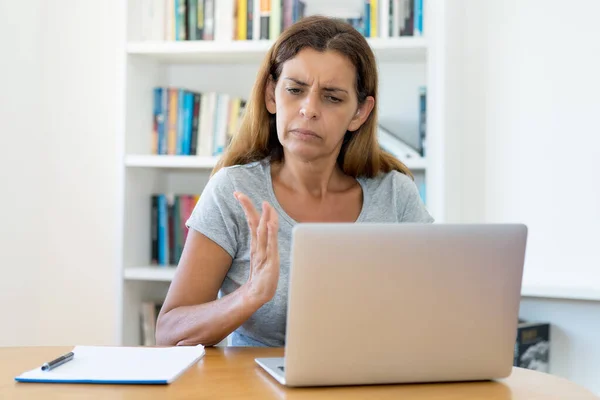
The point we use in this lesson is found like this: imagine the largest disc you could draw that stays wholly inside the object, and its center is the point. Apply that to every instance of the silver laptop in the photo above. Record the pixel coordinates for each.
(401, 303)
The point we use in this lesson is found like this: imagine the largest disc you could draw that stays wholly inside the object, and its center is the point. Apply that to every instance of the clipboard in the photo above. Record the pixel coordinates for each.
(120, 365)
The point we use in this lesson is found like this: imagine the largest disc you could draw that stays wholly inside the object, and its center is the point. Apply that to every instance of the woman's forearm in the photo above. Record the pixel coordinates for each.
(207, 323)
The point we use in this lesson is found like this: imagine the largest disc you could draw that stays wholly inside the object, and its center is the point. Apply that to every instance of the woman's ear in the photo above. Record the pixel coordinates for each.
(362, 113)
(270, 96)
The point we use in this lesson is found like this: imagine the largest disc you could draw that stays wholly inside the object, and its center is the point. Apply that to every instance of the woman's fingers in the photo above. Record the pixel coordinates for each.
(274, 217)
(252, 217)
(272, 244)
(264, 229)
(251, 214)
(261, 234)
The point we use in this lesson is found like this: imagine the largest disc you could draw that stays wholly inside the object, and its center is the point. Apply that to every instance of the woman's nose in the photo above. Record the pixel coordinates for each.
(310, 106)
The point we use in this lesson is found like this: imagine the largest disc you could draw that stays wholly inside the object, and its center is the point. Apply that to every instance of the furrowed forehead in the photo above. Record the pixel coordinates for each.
(328, 69)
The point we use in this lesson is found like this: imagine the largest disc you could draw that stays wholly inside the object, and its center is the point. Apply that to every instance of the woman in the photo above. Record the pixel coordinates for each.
(307, 150)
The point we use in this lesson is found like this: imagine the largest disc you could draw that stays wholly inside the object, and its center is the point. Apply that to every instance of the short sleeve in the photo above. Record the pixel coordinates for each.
(215, 213)
(412, 208)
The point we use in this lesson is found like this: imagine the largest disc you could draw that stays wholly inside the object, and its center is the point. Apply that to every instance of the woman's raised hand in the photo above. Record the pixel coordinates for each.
(264, 252)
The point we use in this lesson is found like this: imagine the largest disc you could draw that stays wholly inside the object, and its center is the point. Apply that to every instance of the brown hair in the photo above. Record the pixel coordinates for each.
(256, 139)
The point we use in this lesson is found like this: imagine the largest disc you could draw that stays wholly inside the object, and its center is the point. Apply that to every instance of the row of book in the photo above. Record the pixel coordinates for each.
(222, 20)
(390, 18)
(226, 20)
(168, 232)
(185, 122)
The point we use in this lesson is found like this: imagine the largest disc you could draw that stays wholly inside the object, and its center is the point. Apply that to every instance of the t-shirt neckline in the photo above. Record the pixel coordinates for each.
(290, 220)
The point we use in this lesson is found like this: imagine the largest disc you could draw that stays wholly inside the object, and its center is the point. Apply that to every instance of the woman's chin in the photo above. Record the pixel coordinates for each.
(305, 153)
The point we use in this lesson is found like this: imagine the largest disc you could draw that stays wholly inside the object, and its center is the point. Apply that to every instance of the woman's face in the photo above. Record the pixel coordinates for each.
(315, 103)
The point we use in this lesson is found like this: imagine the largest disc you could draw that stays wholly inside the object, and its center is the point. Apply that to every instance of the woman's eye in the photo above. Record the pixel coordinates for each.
(293, 90)
(333, 99)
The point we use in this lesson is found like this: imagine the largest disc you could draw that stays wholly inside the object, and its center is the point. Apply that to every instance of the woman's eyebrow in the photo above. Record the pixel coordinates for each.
(327, 89)
(297, 81)
(335, 89)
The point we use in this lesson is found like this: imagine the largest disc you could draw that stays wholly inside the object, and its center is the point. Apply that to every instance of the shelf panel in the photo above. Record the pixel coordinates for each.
(561, 292)
(416, 164)
(154, 161)
(402, 49)
(195, 162)
(165, 274)
(150, 273)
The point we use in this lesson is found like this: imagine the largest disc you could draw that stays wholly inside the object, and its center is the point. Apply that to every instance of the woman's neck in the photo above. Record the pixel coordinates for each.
(314, 178)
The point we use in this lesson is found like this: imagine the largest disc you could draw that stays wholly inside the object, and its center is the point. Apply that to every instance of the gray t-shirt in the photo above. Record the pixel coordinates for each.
(391, 197)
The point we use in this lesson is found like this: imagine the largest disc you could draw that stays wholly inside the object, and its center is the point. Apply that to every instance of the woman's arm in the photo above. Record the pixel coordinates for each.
(191, 313)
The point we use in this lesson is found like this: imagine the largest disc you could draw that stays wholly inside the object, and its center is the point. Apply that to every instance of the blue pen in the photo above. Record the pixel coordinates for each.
(59, 361)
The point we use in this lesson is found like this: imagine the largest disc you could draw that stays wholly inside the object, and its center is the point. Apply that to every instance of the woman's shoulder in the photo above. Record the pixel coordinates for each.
(247, 178)
(218, 214)
(399, 190)
(254, 169)
(388, 181)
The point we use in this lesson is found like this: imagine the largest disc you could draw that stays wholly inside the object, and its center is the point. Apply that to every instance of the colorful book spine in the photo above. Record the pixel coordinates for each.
(172, 130)
(367, 19)
(423, 120)
(265, 18)
(242, 19)
(418, 18)
(192, 20)
(169, 213)
(374, 16)
(275, 20)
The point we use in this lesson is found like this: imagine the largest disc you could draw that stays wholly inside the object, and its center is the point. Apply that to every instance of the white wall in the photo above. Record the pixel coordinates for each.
(21, 202)
(524, 146)
(59, 172)
(543, 134)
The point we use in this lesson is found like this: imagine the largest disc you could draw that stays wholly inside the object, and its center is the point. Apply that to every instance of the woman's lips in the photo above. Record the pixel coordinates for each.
(305, 134)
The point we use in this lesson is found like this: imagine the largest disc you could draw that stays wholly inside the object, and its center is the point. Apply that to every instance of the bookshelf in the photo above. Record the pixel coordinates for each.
(405, 64)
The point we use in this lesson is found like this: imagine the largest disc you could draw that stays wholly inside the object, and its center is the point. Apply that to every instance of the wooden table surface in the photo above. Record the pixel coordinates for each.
(231, 373)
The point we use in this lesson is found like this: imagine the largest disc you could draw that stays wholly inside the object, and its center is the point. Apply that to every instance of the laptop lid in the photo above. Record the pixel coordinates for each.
(393, 303)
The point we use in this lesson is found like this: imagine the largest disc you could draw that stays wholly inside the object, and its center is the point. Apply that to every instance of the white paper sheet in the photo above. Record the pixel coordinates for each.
(134, 365)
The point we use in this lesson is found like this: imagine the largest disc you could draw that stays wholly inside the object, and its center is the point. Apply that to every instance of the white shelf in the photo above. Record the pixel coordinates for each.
(154, 161)
(561, 292)
(195, 162)
(416, 164)
(253, 51)
(150, 273)
(165, 274)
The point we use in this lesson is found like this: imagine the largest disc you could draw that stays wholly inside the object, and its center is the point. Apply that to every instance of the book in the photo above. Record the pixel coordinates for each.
(148, 318)
(532, 347)
(120, 365)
